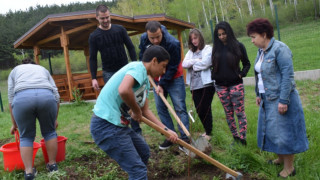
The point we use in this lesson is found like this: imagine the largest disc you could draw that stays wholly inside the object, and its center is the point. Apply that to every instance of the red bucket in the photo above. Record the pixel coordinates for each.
(61, 154)
(11, 154)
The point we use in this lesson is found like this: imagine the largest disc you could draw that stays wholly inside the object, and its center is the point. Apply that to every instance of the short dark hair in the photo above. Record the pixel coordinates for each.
(28, 61)
(155, 51)
(198, 34)
(101, 8)
(260, 26)
(153, 26)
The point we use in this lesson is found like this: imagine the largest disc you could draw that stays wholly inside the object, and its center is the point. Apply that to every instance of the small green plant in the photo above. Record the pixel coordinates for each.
(77, 96)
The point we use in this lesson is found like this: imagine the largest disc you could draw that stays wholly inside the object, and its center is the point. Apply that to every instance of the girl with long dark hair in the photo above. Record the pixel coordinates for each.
(227, 53)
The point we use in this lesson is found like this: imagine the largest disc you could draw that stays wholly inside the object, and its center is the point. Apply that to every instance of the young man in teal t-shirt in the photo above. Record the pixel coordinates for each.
(128, 89)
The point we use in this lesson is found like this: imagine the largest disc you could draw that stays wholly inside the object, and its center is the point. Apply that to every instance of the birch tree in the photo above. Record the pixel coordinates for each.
(271, 6)
(249, 7)
(210, 14)
(262, 6)
(215, 11)
(204, 13)
(221, 10)
(187, 10)
(238, 7)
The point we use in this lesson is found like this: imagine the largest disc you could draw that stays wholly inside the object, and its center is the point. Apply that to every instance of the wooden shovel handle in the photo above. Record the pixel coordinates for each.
(170, 109)
(194, 150)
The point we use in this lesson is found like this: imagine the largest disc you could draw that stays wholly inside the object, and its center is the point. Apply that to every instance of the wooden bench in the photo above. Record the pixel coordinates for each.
(83, 82)
(63, 90)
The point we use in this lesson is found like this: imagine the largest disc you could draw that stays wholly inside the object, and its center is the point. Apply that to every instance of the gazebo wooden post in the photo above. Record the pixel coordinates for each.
(182, 51)
(86, 53)
(64, 39)
(36, 53)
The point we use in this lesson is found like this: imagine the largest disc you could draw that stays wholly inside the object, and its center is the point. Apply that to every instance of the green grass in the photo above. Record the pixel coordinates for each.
(74, 123)
(302, 39)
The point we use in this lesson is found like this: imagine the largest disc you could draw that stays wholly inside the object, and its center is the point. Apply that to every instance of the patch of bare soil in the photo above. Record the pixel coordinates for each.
(171, 164)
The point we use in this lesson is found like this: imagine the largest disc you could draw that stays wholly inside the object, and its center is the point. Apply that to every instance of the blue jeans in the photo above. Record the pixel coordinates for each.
(123, 145)
(29, 105)
(177, 93)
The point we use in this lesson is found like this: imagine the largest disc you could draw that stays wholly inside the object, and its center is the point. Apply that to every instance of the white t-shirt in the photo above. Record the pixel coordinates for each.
(257, 67)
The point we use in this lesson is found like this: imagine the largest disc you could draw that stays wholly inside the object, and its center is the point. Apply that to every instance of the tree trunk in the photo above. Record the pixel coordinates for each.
(249, 7)
(210, 14)
(236, 2)
(263, 8)
(225, 4)
(271, 6)
(187, 10)
(215, 11)
(205, 14)
(221, 10)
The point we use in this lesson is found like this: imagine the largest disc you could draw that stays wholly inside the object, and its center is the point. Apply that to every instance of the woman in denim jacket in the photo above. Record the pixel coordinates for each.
(281, 124)
(198, 63)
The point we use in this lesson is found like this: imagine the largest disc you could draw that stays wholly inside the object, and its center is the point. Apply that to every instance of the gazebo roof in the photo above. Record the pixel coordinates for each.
(78, 26)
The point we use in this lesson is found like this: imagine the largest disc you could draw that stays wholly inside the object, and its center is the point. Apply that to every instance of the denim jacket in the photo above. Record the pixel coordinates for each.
(276, 72)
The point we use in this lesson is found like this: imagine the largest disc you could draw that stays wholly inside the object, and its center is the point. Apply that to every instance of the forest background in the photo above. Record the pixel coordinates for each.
(200, 12)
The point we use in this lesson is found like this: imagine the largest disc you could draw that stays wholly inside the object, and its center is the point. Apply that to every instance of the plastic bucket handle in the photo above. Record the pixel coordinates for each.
(17, 136)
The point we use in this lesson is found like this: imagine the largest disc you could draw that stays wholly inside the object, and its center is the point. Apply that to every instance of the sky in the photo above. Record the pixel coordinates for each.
(15, 5)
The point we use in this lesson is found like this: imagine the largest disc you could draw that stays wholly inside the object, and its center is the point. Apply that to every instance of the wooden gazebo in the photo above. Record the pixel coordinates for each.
(70, 31)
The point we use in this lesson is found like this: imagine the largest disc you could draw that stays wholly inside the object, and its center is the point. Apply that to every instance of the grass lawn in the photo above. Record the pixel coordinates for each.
(85, 161)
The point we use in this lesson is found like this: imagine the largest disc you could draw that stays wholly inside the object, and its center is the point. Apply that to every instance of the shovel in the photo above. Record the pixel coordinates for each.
(234, 174)
(201, 143)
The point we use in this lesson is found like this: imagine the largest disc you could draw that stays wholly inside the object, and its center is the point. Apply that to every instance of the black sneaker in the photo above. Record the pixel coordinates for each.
(52, 167)
(30, 176)
(165, 145)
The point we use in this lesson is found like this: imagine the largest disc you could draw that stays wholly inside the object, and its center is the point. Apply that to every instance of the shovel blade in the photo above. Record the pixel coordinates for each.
(203, 145)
